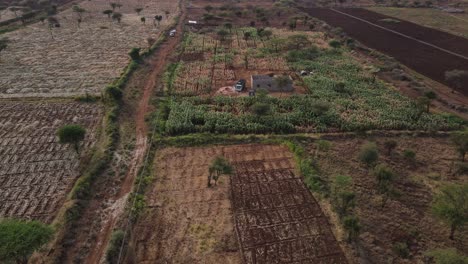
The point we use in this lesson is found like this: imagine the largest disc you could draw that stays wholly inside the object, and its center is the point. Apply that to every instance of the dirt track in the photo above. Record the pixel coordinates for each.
(425, 59)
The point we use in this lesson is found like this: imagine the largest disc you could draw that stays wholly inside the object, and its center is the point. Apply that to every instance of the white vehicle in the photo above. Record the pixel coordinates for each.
(172, 33)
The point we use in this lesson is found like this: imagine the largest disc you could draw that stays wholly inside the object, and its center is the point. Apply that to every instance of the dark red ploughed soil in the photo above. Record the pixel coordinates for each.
(424, 59)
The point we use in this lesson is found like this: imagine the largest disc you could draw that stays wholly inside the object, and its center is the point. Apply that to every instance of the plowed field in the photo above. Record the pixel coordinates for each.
(409, 43)
(275, 217)
(36, 171)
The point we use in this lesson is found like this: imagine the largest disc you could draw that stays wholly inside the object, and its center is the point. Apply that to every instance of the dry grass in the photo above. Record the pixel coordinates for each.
(76, 60)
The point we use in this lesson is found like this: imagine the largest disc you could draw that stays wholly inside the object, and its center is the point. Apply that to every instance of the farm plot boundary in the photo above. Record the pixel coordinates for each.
(277, 218)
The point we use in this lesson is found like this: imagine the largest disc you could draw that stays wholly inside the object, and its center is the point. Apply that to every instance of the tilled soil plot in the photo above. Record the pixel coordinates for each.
(76, 59)
(36, 171)
(424, 59)
(276, 218)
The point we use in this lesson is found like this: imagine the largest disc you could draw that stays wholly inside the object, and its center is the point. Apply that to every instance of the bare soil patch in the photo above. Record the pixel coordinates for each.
(274, 215)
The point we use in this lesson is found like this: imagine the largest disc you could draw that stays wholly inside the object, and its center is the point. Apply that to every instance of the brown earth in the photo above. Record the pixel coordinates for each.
(275, 217)
(105, 209)
(405, 218)
(424, 59)
(36, 171)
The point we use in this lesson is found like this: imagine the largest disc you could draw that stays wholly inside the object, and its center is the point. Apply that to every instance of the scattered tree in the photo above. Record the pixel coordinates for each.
(298, 41)
(108, 13)
(369, 154)
(143, 20)
(219, 166)
(456, 78)
(343, 197)
(247, 35)
(117, 16)
(158, 19)
(135, 54)
(3, 44)
(222, 34)
(390, 145)
(52, 23)
(352, 226)
(167, 13)
(79, 11)
(282, 82)
(451, 206)
(385, 177)
(19, 239)
(114, 92)
(113, 6)
(460, 140)
(71, 134)
(138, 10)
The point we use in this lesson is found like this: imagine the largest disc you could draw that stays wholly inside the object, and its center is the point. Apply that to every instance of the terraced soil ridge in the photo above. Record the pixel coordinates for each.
(277, 219)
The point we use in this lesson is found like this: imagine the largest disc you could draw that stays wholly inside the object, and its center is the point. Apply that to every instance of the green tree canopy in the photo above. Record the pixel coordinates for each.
(219, 166)
(460, 140)
(71, 134)
(19, 239)
(451, 206)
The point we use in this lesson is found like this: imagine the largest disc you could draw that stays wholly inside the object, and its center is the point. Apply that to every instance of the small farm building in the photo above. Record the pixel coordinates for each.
(270, 83)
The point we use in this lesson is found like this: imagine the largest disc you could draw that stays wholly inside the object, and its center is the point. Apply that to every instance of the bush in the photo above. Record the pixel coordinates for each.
(114, 246)
(135, 54)
(334, 44)
(390, 145)
(261, 109)
(19, 239)
(352, 226)
(409, 154)
(114, 92)
(369, 154)
(71, 134)
(401, 249)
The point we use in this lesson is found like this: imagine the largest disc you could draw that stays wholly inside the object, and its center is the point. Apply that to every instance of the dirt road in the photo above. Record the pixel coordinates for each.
(95, 227)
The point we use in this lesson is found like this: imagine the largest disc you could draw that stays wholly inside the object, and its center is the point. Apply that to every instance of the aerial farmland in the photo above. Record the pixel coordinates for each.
(239, 132)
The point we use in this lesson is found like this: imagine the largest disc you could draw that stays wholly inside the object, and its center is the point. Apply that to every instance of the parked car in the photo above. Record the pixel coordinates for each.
(172, 33)
(240, 85)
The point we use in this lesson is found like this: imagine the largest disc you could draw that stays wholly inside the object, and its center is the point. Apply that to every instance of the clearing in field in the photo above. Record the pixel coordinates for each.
(264, 202)
(78, 58)
(36, 171)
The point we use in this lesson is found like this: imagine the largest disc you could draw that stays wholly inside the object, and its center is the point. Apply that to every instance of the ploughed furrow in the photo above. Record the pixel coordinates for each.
(431, 55)
(276, 217)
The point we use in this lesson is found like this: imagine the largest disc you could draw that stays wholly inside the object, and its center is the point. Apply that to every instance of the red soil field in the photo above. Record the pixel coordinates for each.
(427, 60)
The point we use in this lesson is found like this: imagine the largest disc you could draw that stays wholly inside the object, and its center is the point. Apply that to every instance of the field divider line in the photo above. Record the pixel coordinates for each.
(403, 35)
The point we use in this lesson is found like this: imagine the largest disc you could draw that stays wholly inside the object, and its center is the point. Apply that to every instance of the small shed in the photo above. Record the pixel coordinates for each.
(271, 83)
